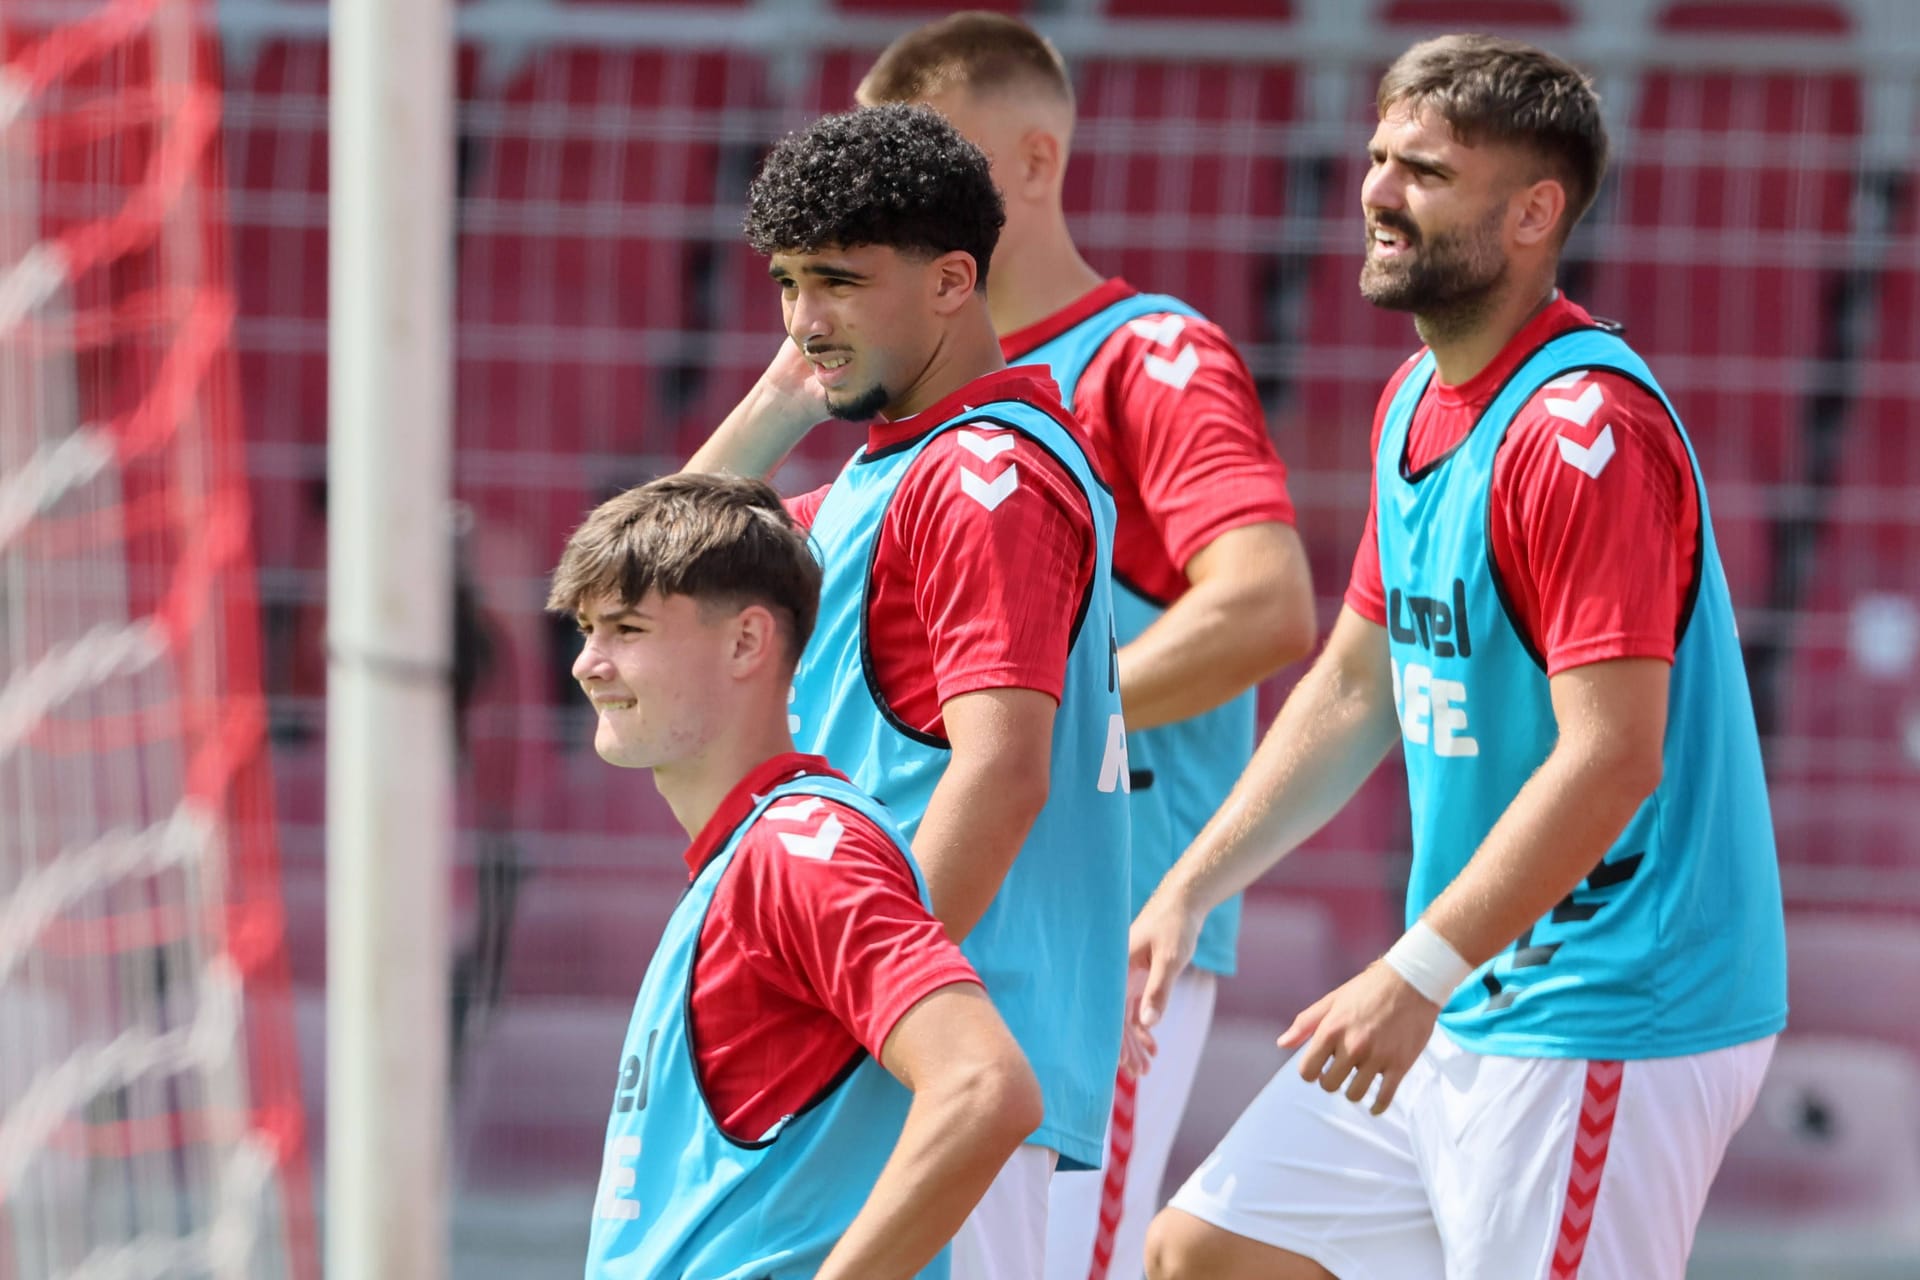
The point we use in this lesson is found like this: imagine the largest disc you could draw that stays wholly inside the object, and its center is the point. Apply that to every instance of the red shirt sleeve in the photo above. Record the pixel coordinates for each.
(803, 507)
(1189, 432)
(1002, 544)
(825, 909)
(1595, 523)
(1366, 592)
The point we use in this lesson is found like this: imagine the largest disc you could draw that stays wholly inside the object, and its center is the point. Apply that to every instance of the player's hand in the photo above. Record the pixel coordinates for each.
(1137, 1044)
(788, 393)
(1159, 948)
(1371, 1027)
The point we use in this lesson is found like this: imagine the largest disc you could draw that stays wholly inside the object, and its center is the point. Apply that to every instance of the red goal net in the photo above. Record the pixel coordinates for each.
(150, 1121)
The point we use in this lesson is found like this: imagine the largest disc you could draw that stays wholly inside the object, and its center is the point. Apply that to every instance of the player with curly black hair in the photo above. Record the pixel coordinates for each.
(962, 669)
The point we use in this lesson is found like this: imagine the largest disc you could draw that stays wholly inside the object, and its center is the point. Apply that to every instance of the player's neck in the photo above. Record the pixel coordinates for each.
(1465, 342)
(695, 787)
(1038, 276)
(969, 350)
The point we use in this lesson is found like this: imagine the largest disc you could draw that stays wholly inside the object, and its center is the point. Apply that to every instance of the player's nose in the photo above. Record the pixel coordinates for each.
(810, 321)
(1381, 188)
(590, 662)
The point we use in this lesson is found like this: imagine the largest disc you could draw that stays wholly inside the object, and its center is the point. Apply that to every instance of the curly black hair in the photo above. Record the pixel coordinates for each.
(893, 175)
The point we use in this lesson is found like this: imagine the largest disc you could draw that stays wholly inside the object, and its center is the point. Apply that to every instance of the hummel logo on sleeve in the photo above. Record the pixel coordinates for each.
(985, 448)
(988, 493)
(798, 811)
(817, 847)
(1593, 458)
(1178, 371)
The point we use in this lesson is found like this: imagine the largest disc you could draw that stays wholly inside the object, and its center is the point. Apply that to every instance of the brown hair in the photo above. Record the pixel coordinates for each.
(975, 50)
(721, 539)
(1492, 90)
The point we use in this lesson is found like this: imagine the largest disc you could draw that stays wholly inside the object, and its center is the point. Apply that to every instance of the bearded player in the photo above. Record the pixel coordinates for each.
(1538, 1079)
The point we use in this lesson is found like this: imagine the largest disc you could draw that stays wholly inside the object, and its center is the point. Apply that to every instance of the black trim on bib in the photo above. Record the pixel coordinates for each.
(867, 670)
(838, 1078)
(1698, 575)
(1416, 477)
(1141, 592)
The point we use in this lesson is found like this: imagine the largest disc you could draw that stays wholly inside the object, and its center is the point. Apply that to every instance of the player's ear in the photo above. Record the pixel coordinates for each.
(954, 276)
(756, 641)
(1040, 158)
(1540, 206)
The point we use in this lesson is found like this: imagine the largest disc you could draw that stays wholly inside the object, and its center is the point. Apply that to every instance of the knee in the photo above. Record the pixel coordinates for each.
(1176, 1247)
(1182, 1247)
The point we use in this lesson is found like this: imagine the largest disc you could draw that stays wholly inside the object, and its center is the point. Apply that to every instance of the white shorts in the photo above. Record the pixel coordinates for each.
(1097, 1225)
(1005, 1237)
(1484, 1166)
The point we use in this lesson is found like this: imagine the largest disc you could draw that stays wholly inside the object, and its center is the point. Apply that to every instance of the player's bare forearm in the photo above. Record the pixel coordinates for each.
(974, 1101)
(1607, 761)
(985, 803)
(1247, 613)
(1332, 732)
(775, 414)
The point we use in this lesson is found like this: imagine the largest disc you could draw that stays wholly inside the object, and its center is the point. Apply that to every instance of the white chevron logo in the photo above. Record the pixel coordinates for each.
(990, 493)
(986, 448)
(1579, 412)
(1162, 331)
(817, 847)
(1567, 381)
(1593, 458)
(1176, 372)
(798, 811)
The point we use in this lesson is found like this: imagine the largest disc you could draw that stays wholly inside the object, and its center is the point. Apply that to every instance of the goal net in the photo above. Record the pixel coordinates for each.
(150, 1122)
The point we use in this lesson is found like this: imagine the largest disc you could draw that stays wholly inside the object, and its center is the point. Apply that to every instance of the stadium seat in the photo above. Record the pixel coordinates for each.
(532, 1110)
(589, 935)
(1289, 957)
(1857, 976)
(1833, 1142)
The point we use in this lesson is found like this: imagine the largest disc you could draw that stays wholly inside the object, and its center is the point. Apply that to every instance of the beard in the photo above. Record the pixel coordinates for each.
(861, 406)
(1445, 280)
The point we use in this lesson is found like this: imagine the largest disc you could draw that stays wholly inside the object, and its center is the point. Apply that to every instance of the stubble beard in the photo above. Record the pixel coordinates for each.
(1449, 282)
(864, 406)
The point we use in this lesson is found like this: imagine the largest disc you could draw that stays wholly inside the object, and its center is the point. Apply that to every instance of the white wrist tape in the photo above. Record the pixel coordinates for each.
(1428, 963)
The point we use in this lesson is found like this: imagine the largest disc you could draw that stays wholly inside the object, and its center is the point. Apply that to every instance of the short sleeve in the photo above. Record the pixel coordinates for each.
(1001, 543)
(1596, 523)
(1185, 421)
(804, 507)
(826, 909)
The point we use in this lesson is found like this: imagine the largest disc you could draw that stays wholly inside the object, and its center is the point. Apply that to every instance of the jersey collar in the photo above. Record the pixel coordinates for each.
(1017, 345)
(1030, 383)
(747, 793)
(1550, 322)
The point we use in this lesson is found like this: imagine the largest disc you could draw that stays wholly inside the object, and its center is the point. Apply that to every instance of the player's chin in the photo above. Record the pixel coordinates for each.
(622, 750)
(858, 406)
(1390, 287)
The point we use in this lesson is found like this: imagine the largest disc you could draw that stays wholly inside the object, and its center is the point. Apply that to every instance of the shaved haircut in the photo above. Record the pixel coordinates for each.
(974, 50)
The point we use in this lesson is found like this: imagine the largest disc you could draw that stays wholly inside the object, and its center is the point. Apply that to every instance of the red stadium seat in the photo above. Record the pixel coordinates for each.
(1289, 957)
(1833, 1144)
(1855, 976)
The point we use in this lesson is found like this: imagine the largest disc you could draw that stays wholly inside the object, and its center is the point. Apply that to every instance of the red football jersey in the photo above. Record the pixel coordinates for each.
(1594, 540)
(965, 596)
(804, 962)
(1176, 427)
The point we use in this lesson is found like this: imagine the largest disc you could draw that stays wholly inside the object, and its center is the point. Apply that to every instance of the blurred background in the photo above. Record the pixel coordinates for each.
(1758, 238)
